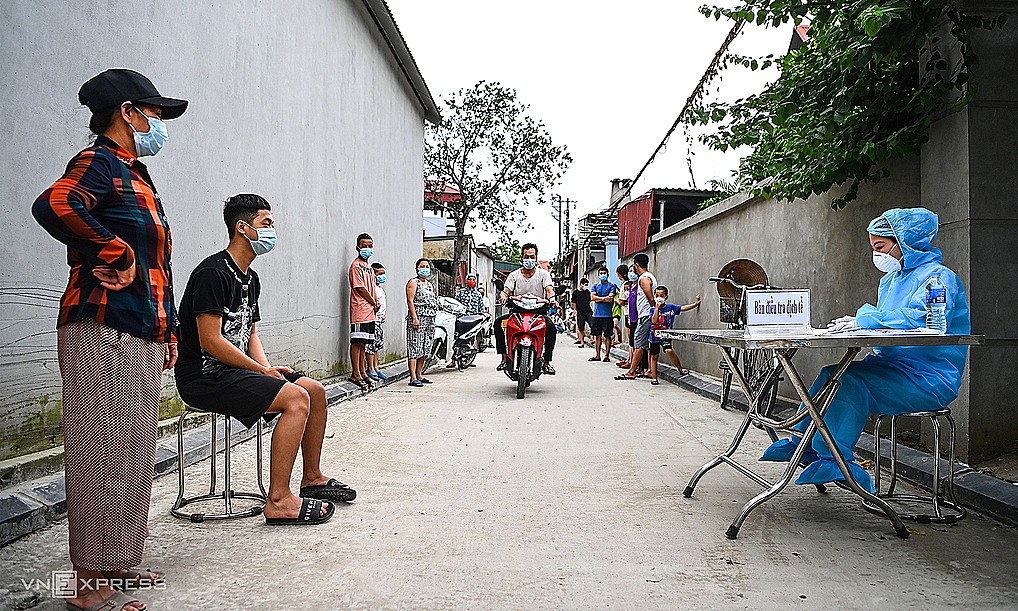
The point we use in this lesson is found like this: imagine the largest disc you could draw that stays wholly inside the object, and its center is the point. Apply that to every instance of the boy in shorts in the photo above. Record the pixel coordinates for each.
(379, 343)
(663, 318)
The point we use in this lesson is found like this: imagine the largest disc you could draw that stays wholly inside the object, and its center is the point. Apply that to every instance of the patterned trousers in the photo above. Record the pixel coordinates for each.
(112, 382)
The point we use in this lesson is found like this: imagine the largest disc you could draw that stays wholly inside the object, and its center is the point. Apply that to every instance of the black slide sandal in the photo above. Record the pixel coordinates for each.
(334, 490)
(310, 513)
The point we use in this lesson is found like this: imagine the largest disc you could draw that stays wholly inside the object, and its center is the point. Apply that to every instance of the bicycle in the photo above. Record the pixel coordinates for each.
(756, 364)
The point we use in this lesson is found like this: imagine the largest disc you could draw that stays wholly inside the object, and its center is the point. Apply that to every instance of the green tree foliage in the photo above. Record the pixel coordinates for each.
(866, 87)
(499, 158)
(506, 249)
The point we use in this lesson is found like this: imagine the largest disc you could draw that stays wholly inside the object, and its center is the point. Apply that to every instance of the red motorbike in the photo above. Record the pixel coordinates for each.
(524, 335)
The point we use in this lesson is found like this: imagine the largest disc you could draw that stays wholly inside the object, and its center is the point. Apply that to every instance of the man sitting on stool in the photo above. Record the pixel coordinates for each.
(222, 367)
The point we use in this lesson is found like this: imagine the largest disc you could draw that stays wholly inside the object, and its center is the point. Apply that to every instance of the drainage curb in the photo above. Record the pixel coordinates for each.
(35, 504)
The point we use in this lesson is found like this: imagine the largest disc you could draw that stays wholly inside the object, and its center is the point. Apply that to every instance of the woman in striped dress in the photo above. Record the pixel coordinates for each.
(115, 332)
(422, 305)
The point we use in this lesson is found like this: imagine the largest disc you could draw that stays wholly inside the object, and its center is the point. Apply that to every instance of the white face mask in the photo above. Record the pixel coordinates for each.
(886, 263)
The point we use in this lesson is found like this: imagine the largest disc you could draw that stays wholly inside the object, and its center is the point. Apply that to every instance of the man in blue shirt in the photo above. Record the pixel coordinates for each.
(602, 295)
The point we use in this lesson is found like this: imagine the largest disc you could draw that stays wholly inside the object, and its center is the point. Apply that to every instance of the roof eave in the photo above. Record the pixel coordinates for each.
(387, 27)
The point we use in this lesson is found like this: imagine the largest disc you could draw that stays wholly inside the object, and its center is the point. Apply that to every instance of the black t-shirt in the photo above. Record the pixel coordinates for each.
(582, 300)
(216, 286)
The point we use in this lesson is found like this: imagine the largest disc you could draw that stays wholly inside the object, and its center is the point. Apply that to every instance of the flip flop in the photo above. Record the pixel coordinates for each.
(607, 359)
(501, 367)
(594, 358)
(654, 382)
(114, 603)
(624, 377)
(335, 491)
(132, 580)
(310, 513)
(684, 372)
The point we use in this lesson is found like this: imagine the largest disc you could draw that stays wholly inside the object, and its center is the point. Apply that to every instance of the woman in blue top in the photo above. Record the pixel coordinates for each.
(898, 379)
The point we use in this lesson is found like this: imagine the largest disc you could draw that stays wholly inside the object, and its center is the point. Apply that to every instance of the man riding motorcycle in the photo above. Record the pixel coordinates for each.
(528, 279)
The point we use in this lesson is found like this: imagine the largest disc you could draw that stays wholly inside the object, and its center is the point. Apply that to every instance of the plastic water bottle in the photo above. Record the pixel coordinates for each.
(936, 305)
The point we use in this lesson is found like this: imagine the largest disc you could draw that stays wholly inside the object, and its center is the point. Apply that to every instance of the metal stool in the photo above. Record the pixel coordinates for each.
(943, 495)
(228, 494)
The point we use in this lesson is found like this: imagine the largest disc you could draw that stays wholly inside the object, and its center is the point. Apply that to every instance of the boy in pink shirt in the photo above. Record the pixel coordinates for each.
(363, 305)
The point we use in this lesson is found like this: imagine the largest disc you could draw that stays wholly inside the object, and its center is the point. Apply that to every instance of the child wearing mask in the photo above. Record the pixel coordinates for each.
(663, 318)
(378, 344)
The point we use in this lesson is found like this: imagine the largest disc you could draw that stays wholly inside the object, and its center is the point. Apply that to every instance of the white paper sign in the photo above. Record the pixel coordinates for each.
(777, 307)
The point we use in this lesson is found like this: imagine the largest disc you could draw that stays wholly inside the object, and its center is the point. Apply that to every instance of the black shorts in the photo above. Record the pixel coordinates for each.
(241, 393)
(602, 327)
(582, 319)
(362, 333)
(632, 331)
(656, 348)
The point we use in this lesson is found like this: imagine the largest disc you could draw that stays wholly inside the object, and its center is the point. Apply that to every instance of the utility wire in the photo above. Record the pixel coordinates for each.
(697, 92)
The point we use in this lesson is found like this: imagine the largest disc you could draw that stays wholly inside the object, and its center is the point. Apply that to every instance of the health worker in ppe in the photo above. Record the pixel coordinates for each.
(892, 380)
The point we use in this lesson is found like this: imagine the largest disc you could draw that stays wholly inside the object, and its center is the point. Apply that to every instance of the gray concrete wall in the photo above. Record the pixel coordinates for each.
(299, 101)
(803, 244)
(969, 173)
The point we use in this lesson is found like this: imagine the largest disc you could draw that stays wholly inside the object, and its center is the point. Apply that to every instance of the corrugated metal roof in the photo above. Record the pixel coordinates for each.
(386, 23)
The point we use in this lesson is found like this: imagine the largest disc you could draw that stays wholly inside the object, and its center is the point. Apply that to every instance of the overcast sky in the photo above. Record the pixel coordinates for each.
(606, 78)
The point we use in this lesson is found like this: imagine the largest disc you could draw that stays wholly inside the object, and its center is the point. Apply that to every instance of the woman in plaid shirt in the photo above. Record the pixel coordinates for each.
(115, 331)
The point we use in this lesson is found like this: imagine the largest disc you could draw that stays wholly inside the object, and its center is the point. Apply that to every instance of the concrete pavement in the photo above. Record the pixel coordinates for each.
(570, 498)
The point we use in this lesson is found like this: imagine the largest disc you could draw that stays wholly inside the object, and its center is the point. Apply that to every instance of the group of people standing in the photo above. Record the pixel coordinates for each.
(119, 328)
(639, 306)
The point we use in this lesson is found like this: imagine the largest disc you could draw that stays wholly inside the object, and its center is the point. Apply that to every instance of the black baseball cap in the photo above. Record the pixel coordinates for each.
(118, 85)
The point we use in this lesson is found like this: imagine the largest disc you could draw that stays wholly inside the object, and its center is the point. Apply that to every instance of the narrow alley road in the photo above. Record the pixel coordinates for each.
(571, 498)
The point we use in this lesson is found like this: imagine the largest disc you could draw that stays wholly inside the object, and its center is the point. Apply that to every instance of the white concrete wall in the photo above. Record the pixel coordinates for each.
(298, 101)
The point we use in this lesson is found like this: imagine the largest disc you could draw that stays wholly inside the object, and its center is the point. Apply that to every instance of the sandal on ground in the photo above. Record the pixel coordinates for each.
(132, 580)
(335, 491)
(654, 382)
(472, 365)
(310, 513)
(360, 383)
(548, 370)
(684, 372)
(624, 377)
(374, 376)
(426, 381)
(381, 376)
(114, 603)
(643, 376)
(623, 364)
(501, 367)
(416, 383)
(594, 358)
(607, 359)
(451, 366)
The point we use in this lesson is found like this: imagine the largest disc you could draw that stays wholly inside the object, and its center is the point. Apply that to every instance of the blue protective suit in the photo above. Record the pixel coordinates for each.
(891, 380)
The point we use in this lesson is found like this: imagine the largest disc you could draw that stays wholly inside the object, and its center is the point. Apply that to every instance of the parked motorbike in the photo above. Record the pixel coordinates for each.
(525, 334)
(456, 333)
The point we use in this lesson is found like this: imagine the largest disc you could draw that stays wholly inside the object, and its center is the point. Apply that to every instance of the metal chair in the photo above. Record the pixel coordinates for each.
(228, 494)
(943, 491)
